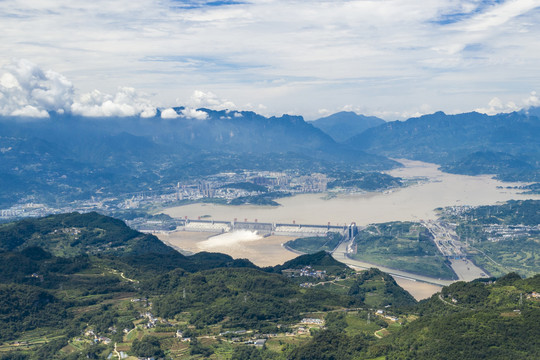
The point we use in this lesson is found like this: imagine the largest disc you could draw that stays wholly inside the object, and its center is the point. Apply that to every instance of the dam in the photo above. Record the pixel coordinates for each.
(266, 229)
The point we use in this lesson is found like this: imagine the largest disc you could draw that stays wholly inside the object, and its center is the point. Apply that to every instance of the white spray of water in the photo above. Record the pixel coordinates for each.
(230, 239)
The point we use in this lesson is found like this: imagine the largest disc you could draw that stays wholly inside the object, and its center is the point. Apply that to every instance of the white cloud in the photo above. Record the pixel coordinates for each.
(28, 91)
(201, 99)
(187, 112)
(499, 15)
(126, 102)
(301, 55)
(532, 100)
(169, 113)
(194, 114)
(496, 106)
(30, 111)
(324, 112)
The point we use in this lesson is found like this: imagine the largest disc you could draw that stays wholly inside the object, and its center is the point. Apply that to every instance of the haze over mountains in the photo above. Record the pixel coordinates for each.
(343, 125)
(68, 157)
(503, 144)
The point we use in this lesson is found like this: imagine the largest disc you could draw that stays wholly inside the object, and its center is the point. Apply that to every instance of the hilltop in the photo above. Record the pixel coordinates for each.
(345, 124)
(79, 234)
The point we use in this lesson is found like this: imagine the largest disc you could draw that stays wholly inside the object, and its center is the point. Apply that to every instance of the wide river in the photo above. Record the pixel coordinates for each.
(416, 202)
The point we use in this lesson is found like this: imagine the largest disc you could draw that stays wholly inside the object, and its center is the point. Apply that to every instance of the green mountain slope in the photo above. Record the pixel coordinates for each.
(143, 304)
(76, 234)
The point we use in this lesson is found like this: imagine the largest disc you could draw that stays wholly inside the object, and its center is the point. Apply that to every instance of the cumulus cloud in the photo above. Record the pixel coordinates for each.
(496, 106)
(169, 113)
(209, 100)
(370, 51)
(194, 114)
(126, 102)
(532, 100)
(188, 113)
(28, 91)
(30, 111)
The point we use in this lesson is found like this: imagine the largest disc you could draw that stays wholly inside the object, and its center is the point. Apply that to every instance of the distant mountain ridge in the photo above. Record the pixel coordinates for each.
(446, 139)
(69, 157)
(343, 125)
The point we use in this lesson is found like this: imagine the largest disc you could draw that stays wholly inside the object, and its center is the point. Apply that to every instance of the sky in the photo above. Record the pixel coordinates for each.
(389, 58)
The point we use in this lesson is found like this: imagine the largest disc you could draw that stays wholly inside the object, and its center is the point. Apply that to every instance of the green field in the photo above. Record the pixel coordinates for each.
(313, 244)
(402, 245)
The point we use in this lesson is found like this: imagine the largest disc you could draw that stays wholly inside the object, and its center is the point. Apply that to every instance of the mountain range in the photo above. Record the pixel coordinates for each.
(472, 143)
(65, 157)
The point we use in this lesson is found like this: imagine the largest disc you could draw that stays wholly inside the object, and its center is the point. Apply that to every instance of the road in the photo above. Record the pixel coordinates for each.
(445, 238)
(340, 255)
(449, 244)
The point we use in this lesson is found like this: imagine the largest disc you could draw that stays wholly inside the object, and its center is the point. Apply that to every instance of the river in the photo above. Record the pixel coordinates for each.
(412, 203)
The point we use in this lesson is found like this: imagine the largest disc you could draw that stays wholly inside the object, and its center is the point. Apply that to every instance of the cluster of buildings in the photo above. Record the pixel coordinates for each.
(508, 232)
(383, 314)
(216, 186)
(29, 209)
(219, 186)
(307, 271)
(152, 320)
(97, 339)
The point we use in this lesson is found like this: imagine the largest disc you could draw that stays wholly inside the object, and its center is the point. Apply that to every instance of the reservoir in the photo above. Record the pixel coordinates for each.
(412, 203)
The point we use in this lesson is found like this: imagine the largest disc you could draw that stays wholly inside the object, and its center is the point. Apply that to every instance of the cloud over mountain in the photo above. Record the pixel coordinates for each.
(126, 102)
(28, 91)
(210, 100)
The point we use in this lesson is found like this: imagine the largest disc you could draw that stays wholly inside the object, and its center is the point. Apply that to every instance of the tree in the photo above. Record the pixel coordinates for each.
(146, 347)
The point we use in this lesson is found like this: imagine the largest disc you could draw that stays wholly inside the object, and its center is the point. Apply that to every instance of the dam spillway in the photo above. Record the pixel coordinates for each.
(266, 229)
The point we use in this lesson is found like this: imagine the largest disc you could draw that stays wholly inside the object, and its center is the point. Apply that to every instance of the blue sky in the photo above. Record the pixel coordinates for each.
(389, 58)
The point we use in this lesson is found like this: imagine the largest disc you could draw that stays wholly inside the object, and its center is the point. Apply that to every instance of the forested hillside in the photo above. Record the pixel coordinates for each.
(70, 305)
